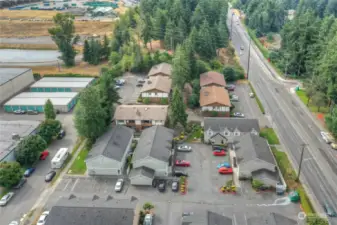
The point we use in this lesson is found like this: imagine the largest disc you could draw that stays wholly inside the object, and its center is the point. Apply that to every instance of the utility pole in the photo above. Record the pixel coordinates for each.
(230, 36)
(301, 160)
(250, 40)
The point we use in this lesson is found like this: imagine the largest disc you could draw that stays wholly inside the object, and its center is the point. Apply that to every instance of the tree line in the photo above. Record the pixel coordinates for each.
(308, 49)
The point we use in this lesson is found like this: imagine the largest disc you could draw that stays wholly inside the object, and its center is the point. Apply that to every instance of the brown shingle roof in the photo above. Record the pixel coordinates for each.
(141, 112)
(159, 83)
(163, 68)
(213, 95)
(212, 77)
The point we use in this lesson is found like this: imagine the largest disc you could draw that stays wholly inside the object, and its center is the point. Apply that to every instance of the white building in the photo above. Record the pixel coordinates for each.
(61, 84)
(62, 101)
(13, 80)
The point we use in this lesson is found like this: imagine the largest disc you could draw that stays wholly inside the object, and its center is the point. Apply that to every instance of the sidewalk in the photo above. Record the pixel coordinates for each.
(37, 209)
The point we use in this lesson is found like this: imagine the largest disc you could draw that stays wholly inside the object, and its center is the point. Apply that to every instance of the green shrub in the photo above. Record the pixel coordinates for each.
(256, 184)
(148, 206)
(270, 37)
(229, 73)
(146, 100)
(37, 76)
(164, 101)
(305, 202)
(68, 75)
(193, 101)
(214, 113)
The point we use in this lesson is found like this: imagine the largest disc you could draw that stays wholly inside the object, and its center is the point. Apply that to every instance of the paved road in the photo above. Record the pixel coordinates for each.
(25, 198)
(293, 123)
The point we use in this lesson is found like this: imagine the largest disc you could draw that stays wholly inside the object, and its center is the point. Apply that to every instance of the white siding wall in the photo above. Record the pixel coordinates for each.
(216, 108)
(103, 166)
(160, 168)
(120, 122)
(158, 122)
(154, 95)
(17, 84)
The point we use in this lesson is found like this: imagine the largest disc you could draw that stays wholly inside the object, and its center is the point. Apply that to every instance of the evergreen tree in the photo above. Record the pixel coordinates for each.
(205, 41)
(180, 68)
(177, 109)
(105, 50)
(159, 24)
(169, 38)
(49, 112)
(86, 51)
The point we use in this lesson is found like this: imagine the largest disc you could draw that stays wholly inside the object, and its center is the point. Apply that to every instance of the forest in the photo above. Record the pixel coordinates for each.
(308, 48)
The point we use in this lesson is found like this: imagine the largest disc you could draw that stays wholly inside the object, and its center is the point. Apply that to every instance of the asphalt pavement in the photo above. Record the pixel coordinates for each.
(293, 123)
(26, 196)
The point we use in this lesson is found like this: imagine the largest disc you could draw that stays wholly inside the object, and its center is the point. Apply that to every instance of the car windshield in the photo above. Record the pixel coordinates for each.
(118, 184)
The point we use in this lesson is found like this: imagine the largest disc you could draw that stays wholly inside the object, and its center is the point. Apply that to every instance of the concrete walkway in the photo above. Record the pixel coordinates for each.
(236, 181)
(37, 209)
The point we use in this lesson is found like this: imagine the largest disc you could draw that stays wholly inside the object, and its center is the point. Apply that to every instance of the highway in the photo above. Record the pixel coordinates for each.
(292, 122)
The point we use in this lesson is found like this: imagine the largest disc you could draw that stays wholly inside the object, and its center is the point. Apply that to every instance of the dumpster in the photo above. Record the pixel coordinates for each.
(294, 196)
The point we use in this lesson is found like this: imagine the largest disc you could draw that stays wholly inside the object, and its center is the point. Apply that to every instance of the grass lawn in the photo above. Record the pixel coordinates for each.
(270, 135)
(312, 108)
(79, 166)
(195, 134)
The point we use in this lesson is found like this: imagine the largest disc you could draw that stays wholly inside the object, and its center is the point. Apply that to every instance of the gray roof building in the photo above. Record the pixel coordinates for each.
(7, 74)
(9, 130)
(95, 211)
(142, 171)
(270, 219)
(113, 144)
(256, 159)
(163, 69)
(219, 124)
(207, 218)
(155, 142)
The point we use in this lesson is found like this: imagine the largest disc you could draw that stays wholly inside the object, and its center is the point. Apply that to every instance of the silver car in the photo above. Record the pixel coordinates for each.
(14, 223)
(184, 148)
(6, 198)
(148, 219)
(119, 185)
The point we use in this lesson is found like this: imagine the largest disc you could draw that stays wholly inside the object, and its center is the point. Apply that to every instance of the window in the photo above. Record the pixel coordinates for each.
(131, 121)
(236, 133)
(227, 133)
(146, 121)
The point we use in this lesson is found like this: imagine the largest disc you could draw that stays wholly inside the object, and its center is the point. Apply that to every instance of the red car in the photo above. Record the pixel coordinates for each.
(44, 155)
(182, 163)
(224, 170)
(219, 153)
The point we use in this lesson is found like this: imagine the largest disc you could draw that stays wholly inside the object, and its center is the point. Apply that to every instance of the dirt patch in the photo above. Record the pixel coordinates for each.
(40, 28)
(226, 56)
(275, 44)
(27, 14)
(81, 68)
(79, 48)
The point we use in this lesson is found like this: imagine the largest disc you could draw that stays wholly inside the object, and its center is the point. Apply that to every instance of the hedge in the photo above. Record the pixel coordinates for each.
(257, 99)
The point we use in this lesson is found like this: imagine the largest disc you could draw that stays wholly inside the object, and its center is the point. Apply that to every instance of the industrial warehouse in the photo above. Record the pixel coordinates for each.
(61, 84)
(14, 80)
(62, 101)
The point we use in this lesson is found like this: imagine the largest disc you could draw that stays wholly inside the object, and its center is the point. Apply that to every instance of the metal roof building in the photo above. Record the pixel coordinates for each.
(13, 80)
(10, 132)
(61, 84)
(62, 101)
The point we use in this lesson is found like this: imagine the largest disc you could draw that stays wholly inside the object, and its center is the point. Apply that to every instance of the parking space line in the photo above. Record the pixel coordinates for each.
(75, 184)
(65, 187)
(234, 219)
(246, 219)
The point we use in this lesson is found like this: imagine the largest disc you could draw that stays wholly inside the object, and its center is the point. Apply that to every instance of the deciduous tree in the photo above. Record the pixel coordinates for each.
(10, 174)
(63, 34)
(29, 149)
(49, 129)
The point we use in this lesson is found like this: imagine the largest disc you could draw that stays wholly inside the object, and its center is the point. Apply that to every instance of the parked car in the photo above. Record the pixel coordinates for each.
(32, 112)
(20, 184)
(334, 146)
(119, 185)
(44, 155)
(329, 210)
(224, 170)
(120, 82)
(14, 223)
(61, 134)
(234, 98)
(184, 148)
(29, 172)
(43, 218)
(19, 111)
(182, 163)
(225, 164)
(6, 198)
(117, 87)
(180, 174)
(326, 137)
(141, 80)
(238, 114)
(49, 177)
(162, 186)
(175, 186)
(219, 153)
(148, 219)
(139, 85)
(251, 94)
(230, 87)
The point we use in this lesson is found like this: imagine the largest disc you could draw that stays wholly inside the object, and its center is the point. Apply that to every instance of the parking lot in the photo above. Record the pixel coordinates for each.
(26, 197)
(129, 92)
(248, 105)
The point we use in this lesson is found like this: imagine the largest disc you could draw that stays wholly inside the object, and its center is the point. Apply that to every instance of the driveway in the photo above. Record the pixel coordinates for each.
(26, 197)
(129, 92)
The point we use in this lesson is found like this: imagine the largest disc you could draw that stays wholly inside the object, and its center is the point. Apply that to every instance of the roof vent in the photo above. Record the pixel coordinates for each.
(149, 82)
(146, 109)
(15, 136)
(206, 93)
